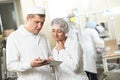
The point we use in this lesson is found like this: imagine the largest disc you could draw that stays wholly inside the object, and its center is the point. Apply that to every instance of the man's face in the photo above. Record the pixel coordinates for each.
(34, 24)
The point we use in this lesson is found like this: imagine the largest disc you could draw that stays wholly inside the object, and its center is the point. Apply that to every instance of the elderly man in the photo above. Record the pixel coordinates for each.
(27, 48)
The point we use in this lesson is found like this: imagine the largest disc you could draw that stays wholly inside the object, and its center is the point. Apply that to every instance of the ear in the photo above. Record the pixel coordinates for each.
(27, 18)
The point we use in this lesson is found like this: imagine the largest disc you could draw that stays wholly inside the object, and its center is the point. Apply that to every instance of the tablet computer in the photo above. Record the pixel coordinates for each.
(55, 63)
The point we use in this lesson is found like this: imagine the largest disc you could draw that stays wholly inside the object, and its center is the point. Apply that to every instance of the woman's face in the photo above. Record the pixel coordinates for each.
(57, 33)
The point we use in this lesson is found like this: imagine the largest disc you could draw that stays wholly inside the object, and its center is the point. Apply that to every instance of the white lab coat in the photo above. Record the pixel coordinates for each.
(71, 67)
(90, 40)
(22, 47)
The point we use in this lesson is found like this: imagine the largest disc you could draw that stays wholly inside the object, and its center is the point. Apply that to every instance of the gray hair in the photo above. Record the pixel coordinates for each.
(62, 24)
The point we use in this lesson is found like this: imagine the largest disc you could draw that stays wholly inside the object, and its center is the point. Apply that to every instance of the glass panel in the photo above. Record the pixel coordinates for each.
(8, 16)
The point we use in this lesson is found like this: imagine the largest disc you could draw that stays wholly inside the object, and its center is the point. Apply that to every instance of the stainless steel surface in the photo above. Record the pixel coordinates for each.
(4, 74)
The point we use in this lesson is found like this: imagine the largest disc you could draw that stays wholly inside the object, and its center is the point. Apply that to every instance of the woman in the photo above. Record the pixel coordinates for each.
(67, 50)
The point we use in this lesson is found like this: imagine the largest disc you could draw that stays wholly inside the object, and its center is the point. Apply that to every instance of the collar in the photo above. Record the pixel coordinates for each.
(24, 31)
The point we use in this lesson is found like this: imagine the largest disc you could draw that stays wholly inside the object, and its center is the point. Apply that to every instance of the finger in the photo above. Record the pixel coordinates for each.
(59, 42)
(46, 62)
(36, 59)
(50, 58)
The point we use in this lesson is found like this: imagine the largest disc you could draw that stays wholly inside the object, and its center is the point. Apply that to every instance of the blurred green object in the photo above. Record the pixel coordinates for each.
(1, 37)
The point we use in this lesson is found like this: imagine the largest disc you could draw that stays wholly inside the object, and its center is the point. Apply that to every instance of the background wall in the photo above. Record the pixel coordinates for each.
(98, 10)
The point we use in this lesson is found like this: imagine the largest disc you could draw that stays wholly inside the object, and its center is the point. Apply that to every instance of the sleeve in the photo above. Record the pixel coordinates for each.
(13, 57)
(49, 48)
(71, 59)
(97, 40)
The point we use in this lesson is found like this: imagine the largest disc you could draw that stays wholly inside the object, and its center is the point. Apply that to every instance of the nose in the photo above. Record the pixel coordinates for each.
(56, 34)
(40, 25)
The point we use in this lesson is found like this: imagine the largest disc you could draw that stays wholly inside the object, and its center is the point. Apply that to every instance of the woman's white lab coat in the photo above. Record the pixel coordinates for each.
(22, 48)
(71, 57)
(89, 40)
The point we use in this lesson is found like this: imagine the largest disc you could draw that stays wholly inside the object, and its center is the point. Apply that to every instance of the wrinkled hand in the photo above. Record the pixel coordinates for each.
(60, 45)
(39, 62)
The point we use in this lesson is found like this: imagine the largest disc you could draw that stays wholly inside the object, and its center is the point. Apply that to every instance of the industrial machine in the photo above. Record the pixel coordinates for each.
(4, 74)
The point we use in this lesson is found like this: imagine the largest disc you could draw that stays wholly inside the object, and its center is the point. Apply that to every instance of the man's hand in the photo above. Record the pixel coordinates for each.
(39, 62)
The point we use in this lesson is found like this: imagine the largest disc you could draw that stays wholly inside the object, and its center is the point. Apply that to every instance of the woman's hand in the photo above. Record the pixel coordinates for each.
(60, 45)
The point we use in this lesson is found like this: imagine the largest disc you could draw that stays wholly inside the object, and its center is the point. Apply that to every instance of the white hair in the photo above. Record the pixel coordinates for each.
(62, 24)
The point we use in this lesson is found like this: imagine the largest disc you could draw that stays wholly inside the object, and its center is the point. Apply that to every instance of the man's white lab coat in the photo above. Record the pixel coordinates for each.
(22, 48)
